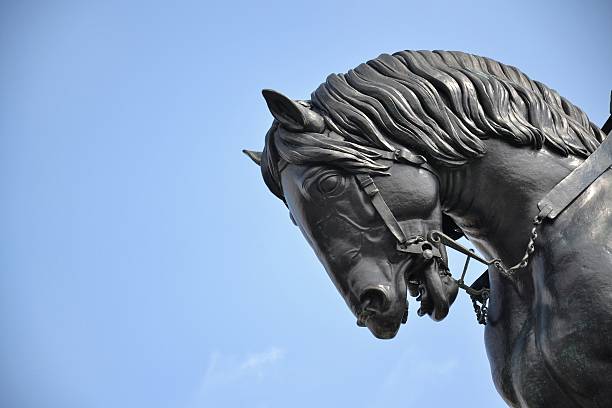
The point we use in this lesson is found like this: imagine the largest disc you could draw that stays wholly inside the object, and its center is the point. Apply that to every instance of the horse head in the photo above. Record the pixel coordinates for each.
(378, 160)
(370, 266)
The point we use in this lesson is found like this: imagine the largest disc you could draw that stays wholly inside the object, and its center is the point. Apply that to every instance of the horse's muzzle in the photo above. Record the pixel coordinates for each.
(379, 313)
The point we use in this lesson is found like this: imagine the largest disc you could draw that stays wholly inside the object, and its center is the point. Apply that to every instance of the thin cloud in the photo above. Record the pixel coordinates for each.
(257, 361)
(224, 369)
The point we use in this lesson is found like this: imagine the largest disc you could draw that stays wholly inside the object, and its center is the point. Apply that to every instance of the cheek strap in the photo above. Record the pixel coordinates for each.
(416, 244)
(367, 184)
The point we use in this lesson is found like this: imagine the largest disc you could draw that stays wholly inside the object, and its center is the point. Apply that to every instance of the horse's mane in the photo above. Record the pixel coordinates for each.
(440, 104)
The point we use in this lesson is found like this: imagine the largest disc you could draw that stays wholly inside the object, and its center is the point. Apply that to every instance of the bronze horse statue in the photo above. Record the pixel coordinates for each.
(390, 162)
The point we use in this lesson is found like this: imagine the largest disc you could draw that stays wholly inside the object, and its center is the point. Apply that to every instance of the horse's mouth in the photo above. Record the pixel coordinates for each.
(434, 288)
(425, 280)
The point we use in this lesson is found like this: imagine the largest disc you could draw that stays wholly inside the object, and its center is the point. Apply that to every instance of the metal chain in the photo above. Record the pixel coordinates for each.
(507, 272)
(481, 311)
(440, 237)
(482, 296)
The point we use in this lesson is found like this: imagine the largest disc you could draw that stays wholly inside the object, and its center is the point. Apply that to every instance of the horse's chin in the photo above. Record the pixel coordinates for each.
(435, 290)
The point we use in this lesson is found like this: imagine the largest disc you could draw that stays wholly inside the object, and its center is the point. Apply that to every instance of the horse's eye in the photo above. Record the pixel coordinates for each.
(330, 183)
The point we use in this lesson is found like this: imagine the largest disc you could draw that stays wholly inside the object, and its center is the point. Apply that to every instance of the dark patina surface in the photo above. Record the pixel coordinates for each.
(387, 164)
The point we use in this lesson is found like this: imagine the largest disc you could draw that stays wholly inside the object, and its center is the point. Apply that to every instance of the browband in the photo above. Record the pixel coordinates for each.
(405, 156)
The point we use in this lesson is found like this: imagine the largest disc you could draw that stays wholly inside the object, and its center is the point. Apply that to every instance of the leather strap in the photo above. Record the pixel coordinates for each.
(568, 189)
(401, 155)
(406, 156)
(561, 196)
(367, 184)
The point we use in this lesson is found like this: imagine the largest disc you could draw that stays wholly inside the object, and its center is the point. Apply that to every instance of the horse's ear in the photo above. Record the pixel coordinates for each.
(255, 156)
(291, 114)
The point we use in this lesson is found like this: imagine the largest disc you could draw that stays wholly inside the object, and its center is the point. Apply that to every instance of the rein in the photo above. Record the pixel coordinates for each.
(555, 202)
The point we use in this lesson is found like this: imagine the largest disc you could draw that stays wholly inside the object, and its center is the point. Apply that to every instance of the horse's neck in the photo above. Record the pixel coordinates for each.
(494, 199)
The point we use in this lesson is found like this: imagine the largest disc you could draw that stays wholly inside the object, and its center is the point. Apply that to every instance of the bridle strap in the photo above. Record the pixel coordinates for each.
(559, 198)
(424, 245)
(367, 184)
(406, 156)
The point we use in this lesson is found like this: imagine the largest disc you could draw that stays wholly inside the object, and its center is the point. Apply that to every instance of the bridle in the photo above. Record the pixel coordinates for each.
(416, 244)
(426, 244)
(553, 203)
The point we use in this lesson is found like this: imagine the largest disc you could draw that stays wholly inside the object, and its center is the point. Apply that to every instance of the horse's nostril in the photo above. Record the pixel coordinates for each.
(374, 300)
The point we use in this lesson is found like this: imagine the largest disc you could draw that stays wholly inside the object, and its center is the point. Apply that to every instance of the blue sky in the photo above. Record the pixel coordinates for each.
(143, 263)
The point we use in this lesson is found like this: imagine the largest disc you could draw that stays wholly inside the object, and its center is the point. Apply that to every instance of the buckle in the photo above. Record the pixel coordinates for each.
(407, 156)
(424, 248)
